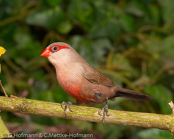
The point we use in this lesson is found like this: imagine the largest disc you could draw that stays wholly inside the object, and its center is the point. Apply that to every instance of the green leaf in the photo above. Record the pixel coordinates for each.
(46, 17)
(22, 37)
(54, 3)
(46, 96)
(109, 28)
(60, 95)
(114, 131)
(106, 24)
(127, 23)
(162, 95)
(155, 13)
(124, 65)
(155, 134)
(167, 9)
(64, 27)
(92, 51)
(167, 47)
(82, 12)
(3, 129)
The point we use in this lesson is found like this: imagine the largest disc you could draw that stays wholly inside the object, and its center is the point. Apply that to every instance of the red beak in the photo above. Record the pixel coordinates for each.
(45, 53)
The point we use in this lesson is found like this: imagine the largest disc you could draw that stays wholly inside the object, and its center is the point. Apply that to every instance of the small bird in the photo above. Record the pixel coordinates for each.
(82, 81)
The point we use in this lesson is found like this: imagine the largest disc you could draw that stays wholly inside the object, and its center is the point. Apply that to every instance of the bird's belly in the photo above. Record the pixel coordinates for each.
(72, 85)
(73, 90)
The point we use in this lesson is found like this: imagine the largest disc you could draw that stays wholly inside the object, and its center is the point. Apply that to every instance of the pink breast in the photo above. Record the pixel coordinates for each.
(72, 88)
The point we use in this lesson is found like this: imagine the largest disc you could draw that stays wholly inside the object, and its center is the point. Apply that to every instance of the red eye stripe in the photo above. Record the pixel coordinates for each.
(59, 47)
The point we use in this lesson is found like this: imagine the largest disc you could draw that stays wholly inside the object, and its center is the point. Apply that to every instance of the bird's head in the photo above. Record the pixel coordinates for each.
(56, 51)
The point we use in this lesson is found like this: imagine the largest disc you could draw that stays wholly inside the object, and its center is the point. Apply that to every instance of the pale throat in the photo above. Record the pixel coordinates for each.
(68, 68)
(68, 71)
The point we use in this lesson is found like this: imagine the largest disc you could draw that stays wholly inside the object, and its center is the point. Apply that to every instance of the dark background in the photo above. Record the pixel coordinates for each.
(131, 41)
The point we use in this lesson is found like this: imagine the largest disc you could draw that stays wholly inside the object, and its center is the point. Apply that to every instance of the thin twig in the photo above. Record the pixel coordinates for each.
(171, 106)
(3, 89)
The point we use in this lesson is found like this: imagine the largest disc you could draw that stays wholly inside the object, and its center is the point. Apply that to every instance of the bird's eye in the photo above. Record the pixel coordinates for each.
(54, 49)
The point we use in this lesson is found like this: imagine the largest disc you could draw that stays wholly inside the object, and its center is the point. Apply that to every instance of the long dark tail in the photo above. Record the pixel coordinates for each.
(126, 93)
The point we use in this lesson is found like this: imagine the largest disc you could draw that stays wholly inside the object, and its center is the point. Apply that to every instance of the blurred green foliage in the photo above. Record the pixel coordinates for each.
(130, 41)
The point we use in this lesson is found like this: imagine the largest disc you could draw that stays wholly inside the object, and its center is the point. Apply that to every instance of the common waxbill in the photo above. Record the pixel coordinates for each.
(82, 81)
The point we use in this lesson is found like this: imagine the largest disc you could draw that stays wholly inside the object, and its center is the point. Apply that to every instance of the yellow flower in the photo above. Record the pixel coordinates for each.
(2, 50)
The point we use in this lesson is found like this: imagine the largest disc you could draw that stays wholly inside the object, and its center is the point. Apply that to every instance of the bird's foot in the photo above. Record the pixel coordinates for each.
(105, 112)
(67, 106)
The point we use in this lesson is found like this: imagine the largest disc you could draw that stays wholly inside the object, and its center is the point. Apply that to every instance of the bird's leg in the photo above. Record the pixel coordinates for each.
(67, 106)
(105, 112)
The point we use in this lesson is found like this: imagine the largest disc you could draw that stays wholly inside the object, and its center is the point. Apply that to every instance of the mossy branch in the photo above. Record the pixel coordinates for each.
(35, 107)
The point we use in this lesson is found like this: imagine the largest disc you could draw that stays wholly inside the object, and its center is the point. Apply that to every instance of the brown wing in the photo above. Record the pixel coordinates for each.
(94, 76)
